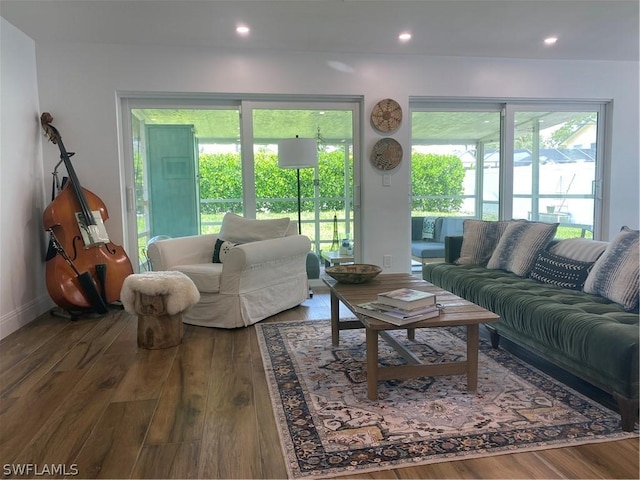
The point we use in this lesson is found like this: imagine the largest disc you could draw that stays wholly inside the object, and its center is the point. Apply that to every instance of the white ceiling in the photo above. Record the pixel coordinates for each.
(586, 29)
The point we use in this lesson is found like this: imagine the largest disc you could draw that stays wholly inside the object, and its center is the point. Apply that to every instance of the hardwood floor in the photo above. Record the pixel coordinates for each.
(83, 395)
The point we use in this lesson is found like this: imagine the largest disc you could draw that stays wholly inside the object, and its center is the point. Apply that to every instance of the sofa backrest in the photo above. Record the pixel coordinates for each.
(451, 227)
(445, 227)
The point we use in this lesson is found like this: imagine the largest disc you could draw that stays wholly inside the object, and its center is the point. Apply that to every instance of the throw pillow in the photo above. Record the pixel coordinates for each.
(581, 249)
(479, 240)
(560, 271)
(238, 229)
(221, 249)
(429, 228)
(615, 274)
(520, 245)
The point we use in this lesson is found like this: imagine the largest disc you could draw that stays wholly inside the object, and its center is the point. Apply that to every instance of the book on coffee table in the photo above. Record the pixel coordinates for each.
(407, 298)
(396, 317)
(405, 312)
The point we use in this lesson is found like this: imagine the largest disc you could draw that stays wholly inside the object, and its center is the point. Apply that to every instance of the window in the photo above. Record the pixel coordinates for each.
(508, 160)
(554, 169)
(454, 161)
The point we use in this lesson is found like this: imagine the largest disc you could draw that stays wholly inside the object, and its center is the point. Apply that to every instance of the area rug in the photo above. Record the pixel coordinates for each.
(328, 427)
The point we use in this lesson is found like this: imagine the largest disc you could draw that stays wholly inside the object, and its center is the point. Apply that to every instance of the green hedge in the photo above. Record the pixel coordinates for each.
(221, 180)
(437, 176)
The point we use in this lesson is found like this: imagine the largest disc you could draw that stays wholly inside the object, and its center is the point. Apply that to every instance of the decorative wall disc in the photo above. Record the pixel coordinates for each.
(386, 115)
(386, 154)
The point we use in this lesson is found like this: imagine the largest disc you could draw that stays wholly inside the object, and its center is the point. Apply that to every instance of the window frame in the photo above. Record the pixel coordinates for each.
(128, 101)
(508, 109)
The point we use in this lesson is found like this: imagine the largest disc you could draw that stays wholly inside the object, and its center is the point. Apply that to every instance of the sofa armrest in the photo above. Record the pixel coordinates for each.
(165, 254)
(452, 247)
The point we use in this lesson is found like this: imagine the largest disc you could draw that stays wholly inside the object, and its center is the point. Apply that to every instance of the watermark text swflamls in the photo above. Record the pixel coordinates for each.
(36, 469)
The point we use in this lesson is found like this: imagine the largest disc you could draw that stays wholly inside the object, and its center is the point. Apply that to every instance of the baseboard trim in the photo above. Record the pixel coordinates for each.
(23, 315)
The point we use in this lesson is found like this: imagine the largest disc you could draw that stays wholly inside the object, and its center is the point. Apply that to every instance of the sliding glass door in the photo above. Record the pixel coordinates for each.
(554, 168)
(327, 190)
(528, 160)
(186, 170)
(455, 160)
(190, 165)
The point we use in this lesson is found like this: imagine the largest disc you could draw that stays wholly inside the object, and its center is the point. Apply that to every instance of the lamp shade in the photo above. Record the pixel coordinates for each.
(298, 153)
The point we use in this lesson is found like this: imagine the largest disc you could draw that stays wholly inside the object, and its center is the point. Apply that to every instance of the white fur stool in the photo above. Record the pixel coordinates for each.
(158, 298)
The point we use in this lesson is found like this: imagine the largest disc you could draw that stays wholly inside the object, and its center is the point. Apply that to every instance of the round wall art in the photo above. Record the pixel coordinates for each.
(386, 115)
(386, 154)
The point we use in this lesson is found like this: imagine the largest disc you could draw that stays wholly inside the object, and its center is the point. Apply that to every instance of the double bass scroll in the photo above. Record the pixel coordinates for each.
(75, 218)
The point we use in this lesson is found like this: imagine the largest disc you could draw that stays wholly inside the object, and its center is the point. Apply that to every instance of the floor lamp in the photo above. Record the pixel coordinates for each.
(298, 153)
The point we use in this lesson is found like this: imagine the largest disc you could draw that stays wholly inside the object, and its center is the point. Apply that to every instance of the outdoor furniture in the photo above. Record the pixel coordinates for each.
(331, 257)
(425, 249)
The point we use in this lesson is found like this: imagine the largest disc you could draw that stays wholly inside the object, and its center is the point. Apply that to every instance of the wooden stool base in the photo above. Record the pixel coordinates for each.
(156, 329)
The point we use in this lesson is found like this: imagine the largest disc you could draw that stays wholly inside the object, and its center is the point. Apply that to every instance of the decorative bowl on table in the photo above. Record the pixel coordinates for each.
(353, 273)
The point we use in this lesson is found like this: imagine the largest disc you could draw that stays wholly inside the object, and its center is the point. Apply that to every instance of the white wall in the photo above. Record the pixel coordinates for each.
(78, 84)
(23, 294)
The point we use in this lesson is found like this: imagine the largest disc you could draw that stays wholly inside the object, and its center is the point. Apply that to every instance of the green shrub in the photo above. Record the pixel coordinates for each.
(438, 178)
(276, 188)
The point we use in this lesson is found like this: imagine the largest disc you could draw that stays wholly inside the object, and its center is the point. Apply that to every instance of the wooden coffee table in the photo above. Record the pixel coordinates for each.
(457, 311)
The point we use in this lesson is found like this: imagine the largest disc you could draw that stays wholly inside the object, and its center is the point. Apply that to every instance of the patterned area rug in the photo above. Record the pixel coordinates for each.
(329, 427)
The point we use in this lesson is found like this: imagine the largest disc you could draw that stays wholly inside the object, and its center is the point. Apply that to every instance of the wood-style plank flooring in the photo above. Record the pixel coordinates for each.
(83, 395)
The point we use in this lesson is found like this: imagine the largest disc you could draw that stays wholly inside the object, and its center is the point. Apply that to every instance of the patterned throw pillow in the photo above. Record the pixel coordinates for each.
(520, 245)
(615, 273)
(221, 249)
(560, 271)
(429, 228)
(479, 240)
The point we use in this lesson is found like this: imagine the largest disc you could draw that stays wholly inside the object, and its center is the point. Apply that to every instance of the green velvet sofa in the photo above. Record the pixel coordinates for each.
(587, 335)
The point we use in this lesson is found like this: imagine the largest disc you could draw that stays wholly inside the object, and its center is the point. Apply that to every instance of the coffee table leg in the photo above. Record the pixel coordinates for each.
(335, 320)
(411, 333)
(372, 363)
(472, 357)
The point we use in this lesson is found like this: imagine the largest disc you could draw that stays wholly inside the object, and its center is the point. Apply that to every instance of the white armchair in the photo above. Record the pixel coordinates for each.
(257, 279)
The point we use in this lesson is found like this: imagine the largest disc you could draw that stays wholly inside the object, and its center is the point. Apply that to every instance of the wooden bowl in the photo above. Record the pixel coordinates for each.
(354, 273)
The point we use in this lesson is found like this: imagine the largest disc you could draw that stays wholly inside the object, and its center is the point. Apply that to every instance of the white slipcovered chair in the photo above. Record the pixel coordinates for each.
(262, 270)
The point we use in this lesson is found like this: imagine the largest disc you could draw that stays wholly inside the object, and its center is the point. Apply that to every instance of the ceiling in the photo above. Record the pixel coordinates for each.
(586, 29)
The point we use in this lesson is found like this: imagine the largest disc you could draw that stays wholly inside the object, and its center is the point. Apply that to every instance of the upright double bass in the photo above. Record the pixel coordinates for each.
(87, 270)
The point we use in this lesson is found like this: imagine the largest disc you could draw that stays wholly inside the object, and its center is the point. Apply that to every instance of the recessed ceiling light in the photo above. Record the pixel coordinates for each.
(242, 30)
(550, 40)
(404, 37)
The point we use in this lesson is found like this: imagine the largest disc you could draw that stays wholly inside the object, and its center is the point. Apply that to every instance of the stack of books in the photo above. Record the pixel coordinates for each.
(401, 307)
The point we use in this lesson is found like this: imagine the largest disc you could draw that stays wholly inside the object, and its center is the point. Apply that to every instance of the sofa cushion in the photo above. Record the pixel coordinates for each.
(206, 276)
(581, 249)
(560, 271)
(426, 249)
(479, 240)
(221, 249)
(520, 245)
(615, 273)
(238, 229)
